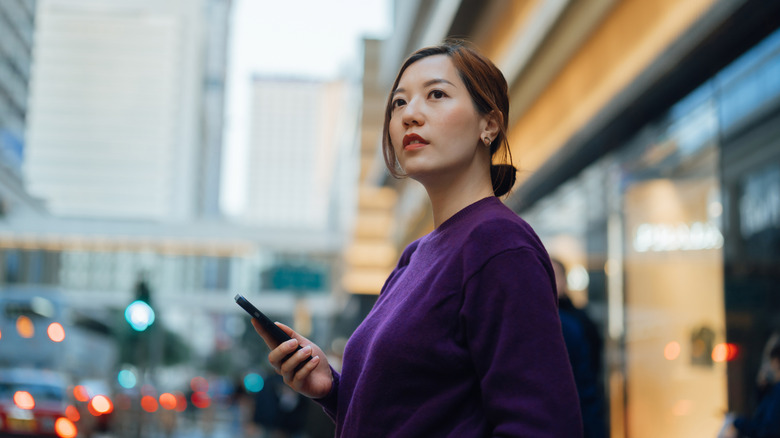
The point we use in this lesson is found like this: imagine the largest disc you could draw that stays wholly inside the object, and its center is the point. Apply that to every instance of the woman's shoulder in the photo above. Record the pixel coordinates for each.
(499, 232)
(406, 255)
(499, 228)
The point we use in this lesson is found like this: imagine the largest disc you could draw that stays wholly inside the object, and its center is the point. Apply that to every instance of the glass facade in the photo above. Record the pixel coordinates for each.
(677, 247)
(16, 35)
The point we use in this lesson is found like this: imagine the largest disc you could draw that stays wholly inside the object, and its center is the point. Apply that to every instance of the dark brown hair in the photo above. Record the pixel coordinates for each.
(489, 93)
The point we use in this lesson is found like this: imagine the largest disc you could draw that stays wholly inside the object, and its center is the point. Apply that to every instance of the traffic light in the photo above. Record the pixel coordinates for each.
(139, 314)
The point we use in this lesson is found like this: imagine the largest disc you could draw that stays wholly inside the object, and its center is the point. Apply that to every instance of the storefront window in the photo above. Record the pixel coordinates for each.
(673, 279)
(677, 232)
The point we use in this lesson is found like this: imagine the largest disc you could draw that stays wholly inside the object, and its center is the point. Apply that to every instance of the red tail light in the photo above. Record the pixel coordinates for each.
(65, 428)
(149, 403)
(168, 401)
(80, 393)
(101, 404)
(72, 413)
(24, 400)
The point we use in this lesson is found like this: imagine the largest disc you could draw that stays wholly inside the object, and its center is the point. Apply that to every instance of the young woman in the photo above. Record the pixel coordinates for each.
(464, 339)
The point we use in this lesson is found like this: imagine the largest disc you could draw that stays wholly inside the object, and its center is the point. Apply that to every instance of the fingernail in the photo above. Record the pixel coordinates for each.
(307, 349)
(291, 343)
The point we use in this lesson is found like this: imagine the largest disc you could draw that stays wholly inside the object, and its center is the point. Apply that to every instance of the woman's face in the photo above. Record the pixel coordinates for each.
(435, 129)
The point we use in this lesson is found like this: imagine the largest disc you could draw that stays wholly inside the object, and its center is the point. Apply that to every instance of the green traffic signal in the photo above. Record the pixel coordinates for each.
(139, 315)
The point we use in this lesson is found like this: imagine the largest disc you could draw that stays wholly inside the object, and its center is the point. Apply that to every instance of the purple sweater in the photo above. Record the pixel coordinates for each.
(464, 340)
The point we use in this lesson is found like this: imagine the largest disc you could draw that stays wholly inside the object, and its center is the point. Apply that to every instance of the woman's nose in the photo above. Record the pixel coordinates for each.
(412, 114)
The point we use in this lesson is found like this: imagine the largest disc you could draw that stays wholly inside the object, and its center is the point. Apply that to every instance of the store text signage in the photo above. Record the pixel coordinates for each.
(696, 236)
(759, 204)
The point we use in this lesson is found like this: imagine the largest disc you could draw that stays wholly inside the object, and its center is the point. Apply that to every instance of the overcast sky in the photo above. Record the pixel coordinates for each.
(300, 38)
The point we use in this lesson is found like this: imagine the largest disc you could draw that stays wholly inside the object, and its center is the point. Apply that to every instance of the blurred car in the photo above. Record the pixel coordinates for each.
(34, 402)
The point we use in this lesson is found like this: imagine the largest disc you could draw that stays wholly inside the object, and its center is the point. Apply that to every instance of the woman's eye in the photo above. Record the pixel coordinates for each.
(437, 94)
(398, 102)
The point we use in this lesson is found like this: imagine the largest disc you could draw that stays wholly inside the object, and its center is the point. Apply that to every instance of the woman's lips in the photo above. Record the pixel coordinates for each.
(414, 141)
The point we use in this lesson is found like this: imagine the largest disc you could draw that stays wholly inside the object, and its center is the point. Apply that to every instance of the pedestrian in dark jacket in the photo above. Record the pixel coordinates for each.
(584, 345)
(765, 421)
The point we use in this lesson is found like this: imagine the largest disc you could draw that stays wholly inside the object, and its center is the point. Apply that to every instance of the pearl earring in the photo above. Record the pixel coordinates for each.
(487, 141)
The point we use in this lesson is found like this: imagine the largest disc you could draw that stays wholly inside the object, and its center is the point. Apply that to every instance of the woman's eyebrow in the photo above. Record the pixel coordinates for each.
(427, 83)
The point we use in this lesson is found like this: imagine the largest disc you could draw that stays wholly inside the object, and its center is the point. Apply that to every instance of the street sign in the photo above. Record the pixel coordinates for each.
(295, 278)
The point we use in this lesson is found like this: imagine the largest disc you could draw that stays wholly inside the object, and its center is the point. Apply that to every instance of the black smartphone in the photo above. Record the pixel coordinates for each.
(278, 334)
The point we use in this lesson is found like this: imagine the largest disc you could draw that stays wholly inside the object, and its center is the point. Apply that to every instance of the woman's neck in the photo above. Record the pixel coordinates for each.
(446, 200)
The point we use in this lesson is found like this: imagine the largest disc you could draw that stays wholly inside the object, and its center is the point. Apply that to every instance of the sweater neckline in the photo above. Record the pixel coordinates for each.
(461, 214)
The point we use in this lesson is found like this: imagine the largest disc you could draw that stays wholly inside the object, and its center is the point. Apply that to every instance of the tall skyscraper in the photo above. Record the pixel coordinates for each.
(299, 133)
(117, 125)
(17, 28)
(217, 21)
(17, 21)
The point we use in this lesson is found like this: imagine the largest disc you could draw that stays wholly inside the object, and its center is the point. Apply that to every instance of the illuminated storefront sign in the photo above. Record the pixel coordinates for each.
(759, 205)
(677, 237)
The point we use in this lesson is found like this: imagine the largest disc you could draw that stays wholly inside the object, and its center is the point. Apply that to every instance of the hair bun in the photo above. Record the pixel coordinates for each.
(503, 177)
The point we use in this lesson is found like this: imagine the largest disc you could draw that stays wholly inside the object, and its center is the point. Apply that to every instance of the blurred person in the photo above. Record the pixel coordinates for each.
(765, 421)
(279, 411)
(242, 406)
(765, 376)
(266, 406)
(585, 346)
(465, 338)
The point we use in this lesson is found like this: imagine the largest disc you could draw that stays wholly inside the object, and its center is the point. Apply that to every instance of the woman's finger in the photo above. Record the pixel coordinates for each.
(277, 356)
(291, 366)
(299, 379)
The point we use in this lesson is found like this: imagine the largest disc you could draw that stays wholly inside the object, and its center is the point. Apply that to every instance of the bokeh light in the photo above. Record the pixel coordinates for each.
(672, 350)
(56, 332)
(65, 428)
(198, 383)
(102, 404)
(140, 315)
(181, 401)
(253, 382)
(25, 327)
(149, 403)
(80, 393)
(24, 400)
(72, 413)
(200, 399)
(724, 352)
(167, 401)
(127, 379)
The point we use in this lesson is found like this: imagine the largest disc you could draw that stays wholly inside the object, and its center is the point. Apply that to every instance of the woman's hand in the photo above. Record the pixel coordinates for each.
(314, 379)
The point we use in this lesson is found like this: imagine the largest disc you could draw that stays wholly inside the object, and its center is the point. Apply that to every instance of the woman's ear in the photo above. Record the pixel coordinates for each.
(492, 126)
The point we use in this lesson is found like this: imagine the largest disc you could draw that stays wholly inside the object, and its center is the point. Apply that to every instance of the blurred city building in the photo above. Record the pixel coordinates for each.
(217, 16)
(300, 153)
(646, 138)
(120, 92)
(121, 180)
(17, 29)
(117, 104)
(114, 173)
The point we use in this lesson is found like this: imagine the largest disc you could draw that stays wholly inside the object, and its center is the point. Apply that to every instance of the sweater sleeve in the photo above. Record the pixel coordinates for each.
(513, 333)
(329, 403)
